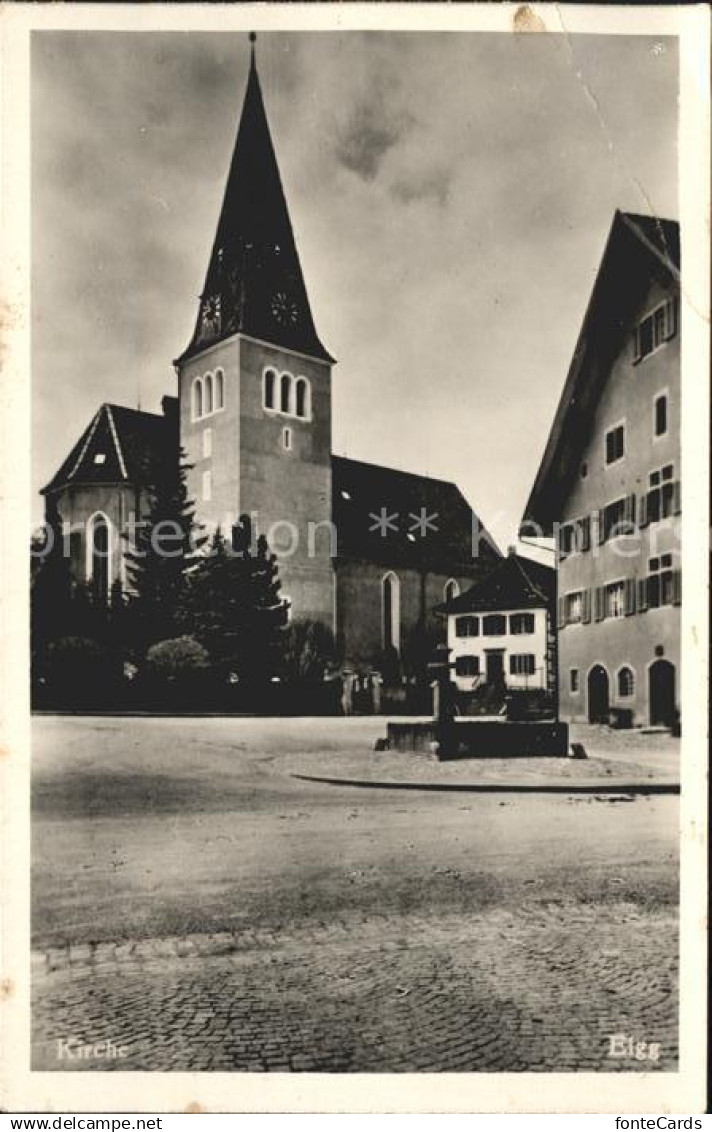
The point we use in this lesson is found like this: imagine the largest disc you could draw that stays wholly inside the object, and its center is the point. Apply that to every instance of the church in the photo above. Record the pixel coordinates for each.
(367, 550)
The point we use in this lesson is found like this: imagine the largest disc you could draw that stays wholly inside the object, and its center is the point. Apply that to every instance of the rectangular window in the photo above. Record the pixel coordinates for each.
(661, 496)
(467, 627)
(574, 680)
(661, 581)
(655, 329)
(521, 664)
(614, 600)
(614, 519)
(467, 666)
(521, 623)
(573, 607)
(495, 625)
(661, 414)
(207, 486)
(615, 444)
(207, 443)
(566, 539)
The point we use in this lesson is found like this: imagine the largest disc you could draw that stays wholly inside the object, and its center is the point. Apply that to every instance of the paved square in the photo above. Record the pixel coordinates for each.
(195, 906)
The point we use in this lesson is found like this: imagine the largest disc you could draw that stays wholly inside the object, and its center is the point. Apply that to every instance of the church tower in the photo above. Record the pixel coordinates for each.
(255, 380)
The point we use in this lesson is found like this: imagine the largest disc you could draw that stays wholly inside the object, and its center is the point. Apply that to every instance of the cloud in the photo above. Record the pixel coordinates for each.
(450, 193)
(367, 137)
(433, 183)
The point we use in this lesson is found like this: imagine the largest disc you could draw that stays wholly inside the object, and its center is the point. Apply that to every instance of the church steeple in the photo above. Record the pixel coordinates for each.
(254, 283)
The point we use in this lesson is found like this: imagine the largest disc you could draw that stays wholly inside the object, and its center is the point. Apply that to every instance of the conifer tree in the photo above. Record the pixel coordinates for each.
(161, 553)
(235, 608)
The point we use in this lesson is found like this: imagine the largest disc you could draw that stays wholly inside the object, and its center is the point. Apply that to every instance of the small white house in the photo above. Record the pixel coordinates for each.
(501, 631)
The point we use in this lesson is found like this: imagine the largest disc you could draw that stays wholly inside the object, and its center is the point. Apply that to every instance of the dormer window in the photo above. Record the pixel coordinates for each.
(100, 458)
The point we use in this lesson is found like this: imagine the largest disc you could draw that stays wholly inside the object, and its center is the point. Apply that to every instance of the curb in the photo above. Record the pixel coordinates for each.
(653, 788)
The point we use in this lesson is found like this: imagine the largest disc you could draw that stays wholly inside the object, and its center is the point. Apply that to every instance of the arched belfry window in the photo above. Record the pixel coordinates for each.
(452, 590)
(390, 603)
(99, 556)
(285, 393)
(270, 380)
(209, 405)
(303, 398)
(197, 398)
(219, 389)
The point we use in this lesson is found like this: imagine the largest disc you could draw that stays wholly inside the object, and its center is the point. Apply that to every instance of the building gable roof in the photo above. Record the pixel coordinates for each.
(516, 583)
(254, 283)
(364, 493)
(638, 249)
(124, 441)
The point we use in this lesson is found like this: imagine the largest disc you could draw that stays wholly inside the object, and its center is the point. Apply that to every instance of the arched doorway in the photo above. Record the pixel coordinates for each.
(661, 678)
(598, 695)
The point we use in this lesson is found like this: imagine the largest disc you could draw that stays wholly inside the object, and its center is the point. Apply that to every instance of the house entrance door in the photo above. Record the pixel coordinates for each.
(495, 666)
(598, 695)
(662, 693)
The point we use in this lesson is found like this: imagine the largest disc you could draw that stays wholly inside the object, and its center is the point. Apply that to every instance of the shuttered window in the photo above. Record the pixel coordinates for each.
(655, 329)
(663, 497)
(520, 623)
(467, 666)
(615, 444)
(663, 583)
(494, 625)
(467, 627)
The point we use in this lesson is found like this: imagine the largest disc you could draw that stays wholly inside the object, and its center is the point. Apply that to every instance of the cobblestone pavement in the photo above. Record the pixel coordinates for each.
(542, 988)
(196, 904)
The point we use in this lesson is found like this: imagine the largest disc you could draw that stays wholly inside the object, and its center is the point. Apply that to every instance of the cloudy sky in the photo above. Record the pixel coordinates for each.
(450, 195)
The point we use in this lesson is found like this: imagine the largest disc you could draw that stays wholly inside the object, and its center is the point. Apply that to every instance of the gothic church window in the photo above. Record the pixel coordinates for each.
(98, 556)
(390, 597)
(452, 590)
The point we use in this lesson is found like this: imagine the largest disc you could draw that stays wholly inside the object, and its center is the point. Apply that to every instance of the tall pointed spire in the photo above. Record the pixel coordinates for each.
(254, 283)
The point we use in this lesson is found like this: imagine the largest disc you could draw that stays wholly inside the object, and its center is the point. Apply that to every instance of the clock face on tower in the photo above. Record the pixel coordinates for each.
(210, 319)
(284, 309)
